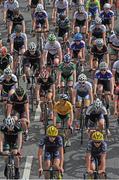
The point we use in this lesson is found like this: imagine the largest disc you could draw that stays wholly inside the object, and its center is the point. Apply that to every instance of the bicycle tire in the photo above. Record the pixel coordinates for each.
(10, 172)
(41, 44)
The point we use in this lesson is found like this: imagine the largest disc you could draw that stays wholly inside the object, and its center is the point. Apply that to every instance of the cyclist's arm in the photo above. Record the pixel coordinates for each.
(112, 25)
(9, 109)
(103, 161)
(104, 37)
(54, 118)
(112, 85)
(45, 57)
(67, 11)
(29, 2)
(107, 58)
(1, 141)
(89, 38)
(83, 53)
(34, 24)
(19, 141)
(91, 95)
(88, 160)
(91, 60)
(60, 54)
(40, 155)
(27, 111)
(1, 88)
(4, 14)
(71, 116)
(25, 43)
(37, 92)
(11, 45)
(95, 85)
(23, 26)
(74, 76)
(74, 97)
(59, 77)
(115, 104)
(53, 92)
(61, 151)
(47, 24)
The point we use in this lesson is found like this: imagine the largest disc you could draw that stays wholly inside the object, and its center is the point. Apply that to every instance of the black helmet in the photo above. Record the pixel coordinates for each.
(62, 16)
(18, 28)
(19, 91)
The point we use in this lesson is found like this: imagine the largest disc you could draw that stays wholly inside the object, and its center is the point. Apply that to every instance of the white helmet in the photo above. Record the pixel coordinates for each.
(9, 122)
(107, 6)
(39, 8)
(8, 72)
(98, 20)
(97, 103)
(82, 78)
(32, 46)
(99, 42)
(103, 65)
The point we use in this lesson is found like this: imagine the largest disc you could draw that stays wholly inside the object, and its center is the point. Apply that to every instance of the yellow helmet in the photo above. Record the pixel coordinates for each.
(52, 131)
(97, 136)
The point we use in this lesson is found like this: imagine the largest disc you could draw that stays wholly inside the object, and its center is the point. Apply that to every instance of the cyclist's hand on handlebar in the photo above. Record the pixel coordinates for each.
(101, 171)
(61, 170)
(40, 171)
(90, 171)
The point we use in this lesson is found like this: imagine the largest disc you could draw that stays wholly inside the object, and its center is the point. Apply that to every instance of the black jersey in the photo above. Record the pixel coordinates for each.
(45, 85)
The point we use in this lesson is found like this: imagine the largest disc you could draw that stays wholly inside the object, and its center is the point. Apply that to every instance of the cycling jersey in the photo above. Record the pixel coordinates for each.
(81, 16)
(77, 47)
(114, 40)
(52, 48)
(10, 137)
(61, 5)
(106, 17)
(63, 24)
(83, 90)
(32, 59)
(18, 40)
(103, 77)
(93, 6)
(40, 17)
(51, 148)
(99, 53)
(18, 105)
(10, 7)
(8, 85)
(63, 110)
(45, 86)
(5, 61)
(116, 69)
(96, 112)
(97, 31)
(34, 3)
(17, 20)
(66, 71)
(96, 151)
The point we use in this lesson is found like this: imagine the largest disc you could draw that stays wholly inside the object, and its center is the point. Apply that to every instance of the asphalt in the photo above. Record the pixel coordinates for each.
(75, 155)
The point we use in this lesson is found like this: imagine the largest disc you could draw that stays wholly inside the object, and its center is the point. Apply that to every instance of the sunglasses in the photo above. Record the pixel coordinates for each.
(98, 142)
(103, 69)
(81, 82)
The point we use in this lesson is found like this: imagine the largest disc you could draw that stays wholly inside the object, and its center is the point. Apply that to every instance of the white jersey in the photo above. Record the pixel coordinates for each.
(92, 110)
(61, 4)
(52, 48)
(11, 6)
(102, 27)
(81, 17)
(21, 37)
(114, 40)
(13, 77)
(116, 66)
(83, 90)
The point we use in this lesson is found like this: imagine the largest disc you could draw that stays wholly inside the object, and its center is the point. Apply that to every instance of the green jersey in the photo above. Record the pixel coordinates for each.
(67, 70)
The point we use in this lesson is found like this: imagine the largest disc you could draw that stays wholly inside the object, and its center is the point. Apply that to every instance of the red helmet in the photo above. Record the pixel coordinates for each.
(3, 51)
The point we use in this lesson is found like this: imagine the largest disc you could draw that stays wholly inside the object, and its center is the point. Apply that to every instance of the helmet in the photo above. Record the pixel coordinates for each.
(103, 65)
(117, 30)
(97, 136)
(39, 8)
(62, 16)
(3, 51)
(9, 122)
(97, 103)
(98, 20)
(32, 46)
(107, 6)
(99, 42)
(67, 58)
(51, 38)
(81, 8)
(82, 78)
(18, 28)
(19, 91)
(64, 97)
(52, 131)
(78, 37)
(7, 72)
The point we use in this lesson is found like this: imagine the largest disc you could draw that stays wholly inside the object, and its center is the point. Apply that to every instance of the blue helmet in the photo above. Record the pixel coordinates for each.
(67, 58)
(78, 37)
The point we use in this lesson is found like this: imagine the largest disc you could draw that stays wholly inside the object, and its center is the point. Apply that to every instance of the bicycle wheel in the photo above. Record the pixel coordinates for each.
(10, 172)
(41, 44)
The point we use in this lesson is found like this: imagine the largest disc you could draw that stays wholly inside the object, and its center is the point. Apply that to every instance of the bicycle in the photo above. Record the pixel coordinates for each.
(10, 164)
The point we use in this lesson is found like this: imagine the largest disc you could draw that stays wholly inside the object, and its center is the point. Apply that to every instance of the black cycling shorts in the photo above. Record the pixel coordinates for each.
(105, 84)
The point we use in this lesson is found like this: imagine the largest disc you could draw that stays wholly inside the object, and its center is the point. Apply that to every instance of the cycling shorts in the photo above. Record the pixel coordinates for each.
(62, 32)
(60, 118)
(105, 84)
(50, 156)
(9, 146)
(80, 23)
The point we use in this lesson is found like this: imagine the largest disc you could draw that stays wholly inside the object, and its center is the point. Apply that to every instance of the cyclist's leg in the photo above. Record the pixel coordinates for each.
(6, 149)
(16, 161)
(101, 122)
(47, 164)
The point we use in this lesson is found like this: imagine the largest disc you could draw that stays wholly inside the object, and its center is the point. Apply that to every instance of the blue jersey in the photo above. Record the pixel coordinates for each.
(77, 47)
(106, 76)
(96, 151)
(106, 16)
(40, 17)
(51, 146)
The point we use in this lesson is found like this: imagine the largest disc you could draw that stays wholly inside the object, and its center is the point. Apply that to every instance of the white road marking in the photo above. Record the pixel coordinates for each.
(37, 113)
(27, 169)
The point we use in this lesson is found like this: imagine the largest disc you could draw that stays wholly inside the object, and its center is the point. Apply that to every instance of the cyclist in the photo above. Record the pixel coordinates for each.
(9, 6)
(62, 26)
(107, 16)
(8, 82)
(17, 19)
(45, 86)
(1, 40)
(18, 104)
(97, 30)
(114, 45)
(6, 60)
(93, 8)
(82, 91)
(40, 20)
(61, 6)
(11, 141)
(18, 44)
(103, 83)
(54, 155)
(52, 51)
(78, 48)
(96, 150)
(99, 53)
(65, 45)
(80, 20)
(63, 114)
(67, 74)
(31, 59)
(96, 114)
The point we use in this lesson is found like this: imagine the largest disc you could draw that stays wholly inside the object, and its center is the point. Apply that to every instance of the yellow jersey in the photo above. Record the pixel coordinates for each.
(63, 110)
